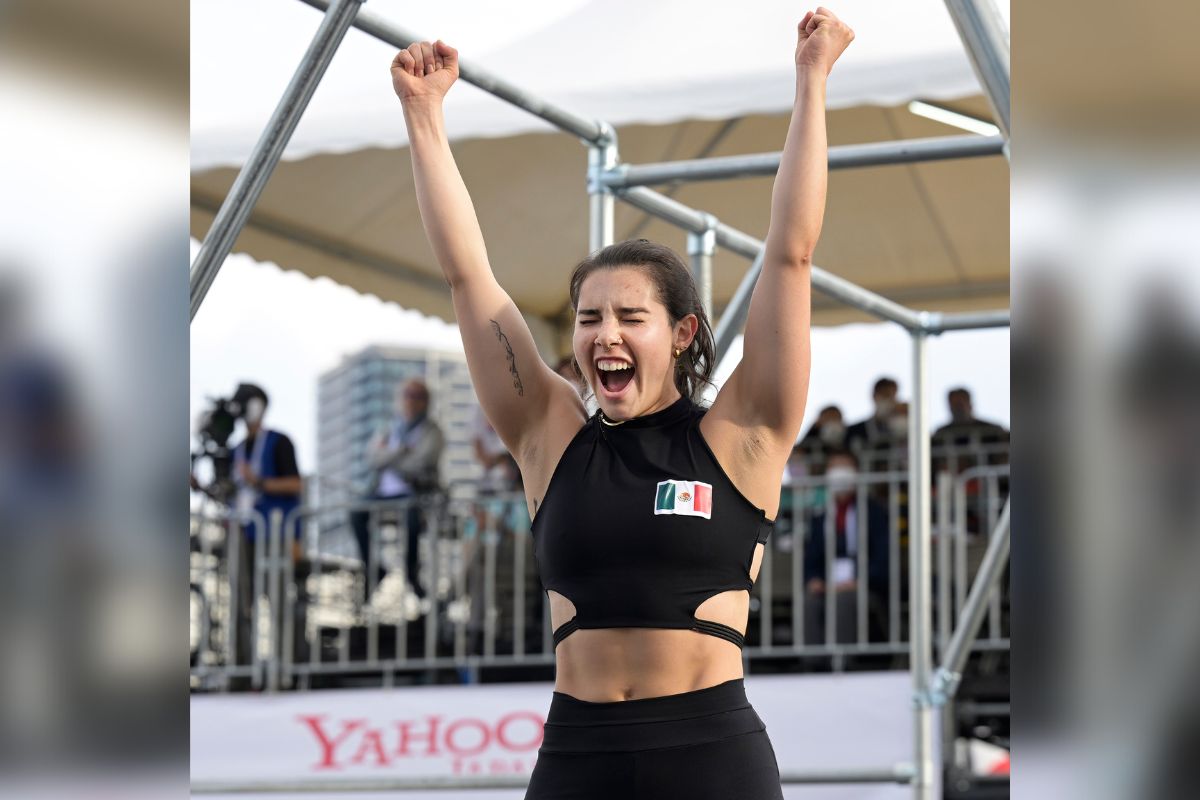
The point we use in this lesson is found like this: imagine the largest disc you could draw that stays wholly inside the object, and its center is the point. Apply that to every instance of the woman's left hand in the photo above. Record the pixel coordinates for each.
(821, 39)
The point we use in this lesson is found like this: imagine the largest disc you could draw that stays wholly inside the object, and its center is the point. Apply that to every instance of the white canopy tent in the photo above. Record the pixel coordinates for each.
(678, 80)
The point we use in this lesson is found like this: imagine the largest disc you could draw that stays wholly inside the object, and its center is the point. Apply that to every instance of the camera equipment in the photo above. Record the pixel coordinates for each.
(214, 426)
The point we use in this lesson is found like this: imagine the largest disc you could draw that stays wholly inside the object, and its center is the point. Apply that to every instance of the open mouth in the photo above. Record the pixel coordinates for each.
(615, 375)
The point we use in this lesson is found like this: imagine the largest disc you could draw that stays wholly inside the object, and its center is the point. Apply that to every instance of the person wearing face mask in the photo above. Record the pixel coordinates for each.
(268, 480)
(840, 569)
(877, 427)
(404, 458)
(826, 434)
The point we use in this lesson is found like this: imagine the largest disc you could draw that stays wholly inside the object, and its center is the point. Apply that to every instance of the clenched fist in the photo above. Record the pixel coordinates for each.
(424, 70)
(821, 38)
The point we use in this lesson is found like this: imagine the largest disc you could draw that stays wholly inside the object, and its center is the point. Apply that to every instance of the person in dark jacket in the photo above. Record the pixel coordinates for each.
(268, 482)
(842, 569)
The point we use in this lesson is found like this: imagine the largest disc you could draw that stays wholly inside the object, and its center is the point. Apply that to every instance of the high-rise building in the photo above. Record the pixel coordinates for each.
(356, 399)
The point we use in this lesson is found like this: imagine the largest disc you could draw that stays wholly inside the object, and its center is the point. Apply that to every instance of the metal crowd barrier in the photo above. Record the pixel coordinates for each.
(329, 616)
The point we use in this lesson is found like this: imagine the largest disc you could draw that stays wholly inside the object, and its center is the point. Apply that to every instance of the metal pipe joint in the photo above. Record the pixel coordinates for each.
(602, 157)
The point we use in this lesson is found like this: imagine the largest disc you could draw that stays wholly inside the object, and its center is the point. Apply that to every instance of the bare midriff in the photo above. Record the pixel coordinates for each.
(608, 664)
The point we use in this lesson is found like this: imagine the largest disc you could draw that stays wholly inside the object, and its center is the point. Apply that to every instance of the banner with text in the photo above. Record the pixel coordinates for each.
(816, 722)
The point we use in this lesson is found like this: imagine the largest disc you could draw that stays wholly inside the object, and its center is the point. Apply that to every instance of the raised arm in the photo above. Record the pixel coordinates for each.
(768, 389)
(515, 387)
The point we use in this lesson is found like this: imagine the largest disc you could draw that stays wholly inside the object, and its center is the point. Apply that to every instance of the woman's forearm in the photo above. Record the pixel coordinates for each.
(446, 210)
(798, 196)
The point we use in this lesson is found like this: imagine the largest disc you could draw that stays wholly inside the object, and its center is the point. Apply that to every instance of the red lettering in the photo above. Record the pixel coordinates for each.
(372, 743)
(329, 745)
(538, 730)
(406, 734)
(475, 723)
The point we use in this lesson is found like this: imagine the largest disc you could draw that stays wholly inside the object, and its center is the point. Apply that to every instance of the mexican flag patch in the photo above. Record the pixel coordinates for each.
(690, 498)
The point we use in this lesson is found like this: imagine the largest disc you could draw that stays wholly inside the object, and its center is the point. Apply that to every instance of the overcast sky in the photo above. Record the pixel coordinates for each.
(281, 329)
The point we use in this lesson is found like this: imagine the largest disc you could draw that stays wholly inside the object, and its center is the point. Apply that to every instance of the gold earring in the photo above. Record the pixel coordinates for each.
(677, 352)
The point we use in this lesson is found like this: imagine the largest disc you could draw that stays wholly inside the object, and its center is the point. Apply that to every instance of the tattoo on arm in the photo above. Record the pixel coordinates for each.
(512, 359)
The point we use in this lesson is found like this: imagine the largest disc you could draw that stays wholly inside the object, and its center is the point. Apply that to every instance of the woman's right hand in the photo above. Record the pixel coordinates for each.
(424, 70)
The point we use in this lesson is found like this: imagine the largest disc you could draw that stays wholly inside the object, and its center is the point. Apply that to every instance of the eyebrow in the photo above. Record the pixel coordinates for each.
(626, 310)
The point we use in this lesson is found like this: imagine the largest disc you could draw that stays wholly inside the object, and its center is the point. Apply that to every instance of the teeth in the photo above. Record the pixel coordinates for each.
(613, 366)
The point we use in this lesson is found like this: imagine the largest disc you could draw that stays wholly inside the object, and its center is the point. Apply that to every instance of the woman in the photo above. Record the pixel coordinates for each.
(649, 517)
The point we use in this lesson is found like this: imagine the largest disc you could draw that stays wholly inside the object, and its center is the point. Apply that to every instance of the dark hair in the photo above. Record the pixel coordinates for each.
(676, 290)
(417, 384)
(245, 391)
(959, 390)
(884, 383)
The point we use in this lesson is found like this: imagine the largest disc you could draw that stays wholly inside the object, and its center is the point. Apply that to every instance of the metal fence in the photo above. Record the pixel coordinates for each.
(321, 612)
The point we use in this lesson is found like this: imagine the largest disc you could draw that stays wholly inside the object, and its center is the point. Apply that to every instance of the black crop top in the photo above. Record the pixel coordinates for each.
(640, 525)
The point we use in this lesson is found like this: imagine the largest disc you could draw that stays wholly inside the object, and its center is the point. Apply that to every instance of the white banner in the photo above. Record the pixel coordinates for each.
(816, 722)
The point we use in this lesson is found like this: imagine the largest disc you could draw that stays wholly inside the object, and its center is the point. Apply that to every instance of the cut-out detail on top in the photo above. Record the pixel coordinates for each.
(598, 539)
(718, 629)
(565, 630)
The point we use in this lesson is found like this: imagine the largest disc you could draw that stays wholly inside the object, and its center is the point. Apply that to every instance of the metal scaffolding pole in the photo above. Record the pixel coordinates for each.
(602, 156)
(905, 151)
(734, 318)
(701, 248)
(937, 322)
(945, 683)
(985, 38)
(588, 129)
(920, 594)
(258, 168)
(730, 238)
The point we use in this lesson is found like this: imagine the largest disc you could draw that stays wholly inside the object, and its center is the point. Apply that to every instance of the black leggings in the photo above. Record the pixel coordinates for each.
(708, 744)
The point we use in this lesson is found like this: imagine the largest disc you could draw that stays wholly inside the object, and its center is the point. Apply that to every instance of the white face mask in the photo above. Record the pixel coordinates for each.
(841, 479)
(884, 406)
(898, 424)
(832, 432)
(254, 410)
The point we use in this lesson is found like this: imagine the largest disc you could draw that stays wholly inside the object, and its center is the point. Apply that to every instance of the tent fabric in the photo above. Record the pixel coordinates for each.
(932, 236)
(624, 61)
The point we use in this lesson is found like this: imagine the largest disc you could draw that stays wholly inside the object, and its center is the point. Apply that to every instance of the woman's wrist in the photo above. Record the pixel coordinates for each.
(422, 104)
(811, 75)
(423, 116)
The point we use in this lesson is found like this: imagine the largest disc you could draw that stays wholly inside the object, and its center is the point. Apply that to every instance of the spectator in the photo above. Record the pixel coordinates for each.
(268, 480)
(405, 459)
(501, 478)
(963, 425)
(876, 429)
(966, 441)
(826, 434)
(841, 474)
(500, 472)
